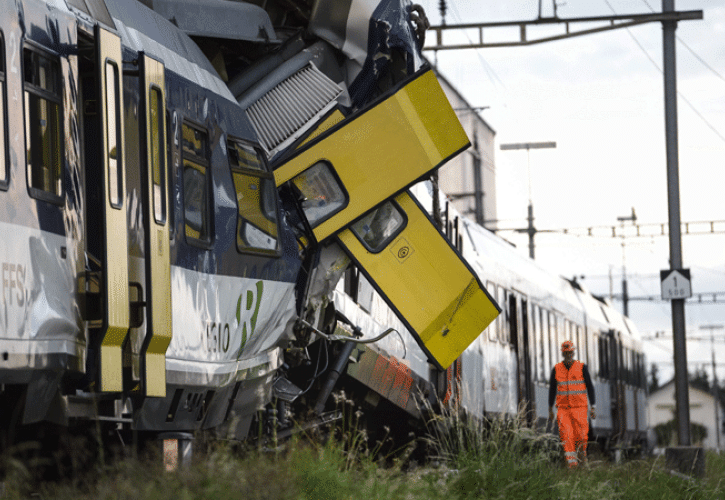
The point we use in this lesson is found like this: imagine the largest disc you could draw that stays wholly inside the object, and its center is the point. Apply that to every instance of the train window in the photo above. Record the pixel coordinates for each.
(43, 125)
(603, 358)
(541, 367)
(321, 191)
(535, 320)
(256, 199)
(196, 187)
(158, 150)
(581, 342)
(113, 134)
(602, 362)
(532, 325)
(379, 226)
(3, 128)
(546, 364)
(503, 327)
(630, 366)
(491, 330)
(554, 336)
(594, 354)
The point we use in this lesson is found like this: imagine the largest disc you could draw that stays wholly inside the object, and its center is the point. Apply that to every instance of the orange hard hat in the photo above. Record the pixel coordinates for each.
(567, 346)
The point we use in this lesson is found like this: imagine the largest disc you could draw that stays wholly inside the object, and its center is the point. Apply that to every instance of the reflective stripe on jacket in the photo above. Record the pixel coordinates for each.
(571, 392)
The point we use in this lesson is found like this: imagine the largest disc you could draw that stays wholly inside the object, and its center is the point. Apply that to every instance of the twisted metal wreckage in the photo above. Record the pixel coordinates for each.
(214, 225)
(198, 175)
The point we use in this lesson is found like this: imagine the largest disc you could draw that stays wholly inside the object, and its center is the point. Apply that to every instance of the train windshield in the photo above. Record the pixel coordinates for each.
(323, 195)
(256, 195)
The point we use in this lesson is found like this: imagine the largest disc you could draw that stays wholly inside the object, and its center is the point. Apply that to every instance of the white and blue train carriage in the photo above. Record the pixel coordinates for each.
(149, 276)
(506, 369)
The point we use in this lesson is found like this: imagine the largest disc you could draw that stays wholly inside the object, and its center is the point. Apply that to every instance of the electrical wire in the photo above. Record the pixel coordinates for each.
(680, 94)
(697, 56)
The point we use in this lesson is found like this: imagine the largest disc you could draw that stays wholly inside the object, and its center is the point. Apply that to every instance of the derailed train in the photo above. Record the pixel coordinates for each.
(182, 185)
(505, 371)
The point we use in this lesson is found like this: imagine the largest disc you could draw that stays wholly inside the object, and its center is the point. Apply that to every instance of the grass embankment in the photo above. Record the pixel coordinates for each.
(498, 460)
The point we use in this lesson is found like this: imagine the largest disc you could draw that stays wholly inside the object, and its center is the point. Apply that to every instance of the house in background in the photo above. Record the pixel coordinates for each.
(661, 409)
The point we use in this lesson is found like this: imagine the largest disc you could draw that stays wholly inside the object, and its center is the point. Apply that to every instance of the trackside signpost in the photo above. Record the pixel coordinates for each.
(675, 284)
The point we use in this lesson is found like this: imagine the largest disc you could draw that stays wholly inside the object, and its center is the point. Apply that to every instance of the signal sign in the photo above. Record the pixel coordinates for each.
(675, 284)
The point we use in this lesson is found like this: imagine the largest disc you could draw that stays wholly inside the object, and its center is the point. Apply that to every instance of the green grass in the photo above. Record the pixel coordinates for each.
(481, 460)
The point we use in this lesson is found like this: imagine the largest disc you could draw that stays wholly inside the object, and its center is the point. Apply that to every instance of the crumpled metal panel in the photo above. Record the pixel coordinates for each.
(368, 32)
(225, 319)
(95, 8)
(218, 19)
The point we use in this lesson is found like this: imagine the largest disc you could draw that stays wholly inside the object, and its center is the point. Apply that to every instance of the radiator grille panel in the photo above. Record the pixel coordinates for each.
(291, 106)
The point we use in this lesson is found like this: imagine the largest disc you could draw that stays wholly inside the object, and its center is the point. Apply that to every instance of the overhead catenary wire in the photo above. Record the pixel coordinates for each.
(679, 93)
(695, 54)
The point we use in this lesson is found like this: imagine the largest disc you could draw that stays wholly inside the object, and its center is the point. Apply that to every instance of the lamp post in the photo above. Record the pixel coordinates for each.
(528, 146)
(712, 329)
(625, 295)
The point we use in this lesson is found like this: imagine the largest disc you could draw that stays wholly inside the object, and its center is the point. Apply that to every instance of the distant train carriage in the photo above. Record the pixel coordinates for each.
(506, 369)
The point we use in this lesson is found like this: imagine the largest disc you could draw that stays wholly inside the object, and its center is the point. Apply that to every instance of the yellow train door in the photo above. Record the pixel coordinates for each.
(421, 277)
(372, 155)
(156, 222)
(113, 206)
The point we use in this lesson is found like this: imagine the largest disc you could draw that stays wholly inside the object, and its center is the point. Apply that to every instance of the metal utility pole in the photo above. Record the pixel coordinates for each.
(682, 394)
(528, 146)
(669, 18)
(625, 295)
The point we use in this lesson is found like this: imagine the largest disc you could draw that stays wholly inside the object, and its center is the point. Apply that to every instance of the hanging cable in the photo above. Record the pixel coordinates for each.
(680, 94)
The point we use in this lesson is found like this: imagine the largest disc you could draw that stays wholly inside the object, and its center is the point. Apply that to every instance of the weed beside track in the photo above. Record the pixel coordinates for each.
(467, 460)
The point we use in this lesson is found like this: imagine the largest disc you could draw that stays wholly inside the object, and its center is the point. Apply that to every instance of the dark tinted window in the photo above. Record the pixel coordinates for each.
(43, 124)
(256, 195)
(196, 189)
(3, 119)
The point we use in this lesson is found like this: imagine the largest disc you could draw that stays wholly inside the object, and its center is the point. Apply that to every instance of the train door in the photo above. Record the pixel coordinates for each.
(105, 286)
(157, 259)
(616, 382)
(421, 276)
(519, 324)
(400, 139)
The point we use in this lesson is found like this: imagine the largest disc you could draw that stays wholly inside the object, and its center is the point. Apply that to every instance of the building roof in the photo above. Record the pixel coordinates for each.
(672, 381)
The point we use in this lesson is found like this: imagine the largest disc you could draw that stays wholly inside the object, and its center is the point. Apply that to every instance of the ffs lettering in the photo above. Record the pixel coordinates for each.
(13, 276)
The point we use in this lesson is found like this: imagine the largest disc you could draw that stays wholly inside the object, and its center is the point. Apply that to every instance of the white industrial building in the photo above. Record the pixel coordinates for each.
(661, 409)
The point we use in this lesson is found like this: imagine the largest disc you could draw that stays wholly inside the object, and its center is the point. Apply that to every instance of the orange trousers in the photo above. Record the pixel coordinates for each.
(574, 433)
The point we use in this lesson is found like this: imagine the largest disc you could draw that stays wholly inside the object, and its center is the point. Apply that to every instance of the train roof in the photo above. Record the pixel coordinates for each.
(142, 29)
(495, 260)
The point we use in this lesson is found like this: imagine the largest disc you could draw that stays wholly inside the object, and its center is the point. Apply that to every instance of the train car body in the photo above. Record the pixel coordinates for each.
(197, 196)
(182, 187)
(505, 372)
(150, 278)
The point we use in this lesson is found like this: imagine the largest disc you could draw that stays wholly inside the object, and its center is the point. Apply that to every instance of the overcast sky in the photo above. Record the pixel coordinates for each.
(601, 99)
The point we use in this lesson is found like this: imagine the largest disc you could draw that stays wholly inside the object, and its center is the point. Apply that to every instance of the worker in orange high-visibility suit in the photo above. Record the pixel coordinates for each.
(570, 384)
